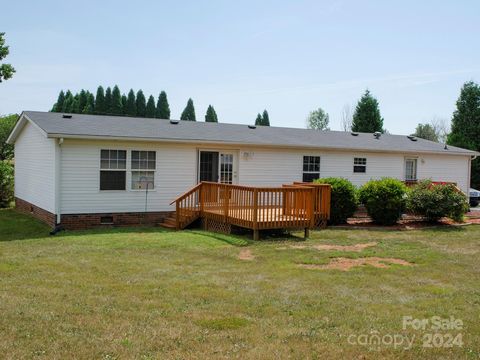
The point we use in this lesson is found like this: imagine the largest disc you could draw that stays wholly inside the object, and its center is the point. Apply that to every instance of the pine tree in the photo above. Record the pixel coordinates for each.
(259, 120)
(100, 107)
(131, 107)
(265, 118)
(116, 107)
(150, 111)
(141, 104)
(59, 104)
(82, 100)
(367, 116)
(163, 109)
(67, 104)
(189, 112)
(211, 115)
(76, 104)
(466, 126)
(90, 105)
(108, 101)
(124, 104)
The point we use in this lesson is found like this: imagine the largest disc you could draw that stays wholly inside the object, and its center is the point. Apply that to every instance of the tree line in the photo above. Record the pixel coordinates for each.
(113, 102)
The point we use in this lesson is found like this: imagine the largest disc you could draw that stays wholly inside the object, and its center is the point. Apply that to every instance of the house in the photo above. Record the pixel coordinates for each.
(86, 170)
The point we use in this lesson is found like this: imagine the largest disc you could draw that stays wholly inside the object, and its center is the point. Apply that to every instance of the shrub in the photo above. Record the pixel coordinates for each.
(384, 199)
(6, 184)
(343, 201)
(435, 201)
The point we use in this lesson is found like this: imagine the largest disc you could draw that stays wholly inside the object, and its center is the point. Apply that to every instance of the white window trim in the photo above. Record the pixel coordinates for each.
(100, 167)
(353, 167)
(312, 172)
(129, 166)
(405, 168)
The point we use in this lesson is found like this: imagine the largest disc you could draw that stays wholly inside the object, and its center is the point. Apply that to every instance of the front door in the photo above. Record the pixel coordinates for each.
(218, 166)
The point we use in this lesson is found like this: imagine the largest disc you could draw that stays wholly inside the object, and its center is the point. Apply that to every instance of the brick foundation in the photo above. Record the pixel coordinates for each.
(87, 221)
(41, 214)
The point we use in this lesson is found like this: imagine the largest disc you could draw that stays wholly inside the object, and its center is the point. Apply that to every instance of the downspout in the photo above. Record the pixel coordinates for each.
(58, 192)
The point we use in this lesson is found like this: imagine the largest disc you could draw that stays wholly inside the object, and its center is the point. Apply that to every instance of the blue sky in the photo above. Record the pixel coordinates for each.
(289, 57)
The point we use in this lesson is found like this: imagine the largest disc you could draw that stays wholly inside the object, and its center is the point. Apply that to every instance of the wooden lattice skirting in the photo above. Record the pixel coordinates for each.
(216, 226)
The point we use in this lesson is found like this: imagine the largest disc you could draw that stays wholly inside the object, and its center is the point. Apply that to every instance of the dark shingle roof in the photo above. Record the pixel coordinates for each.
(201, 132)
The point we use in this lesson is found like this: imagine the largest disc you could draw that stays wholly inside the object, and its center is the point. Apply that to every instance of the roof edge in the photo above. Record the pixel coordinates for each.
(17, 129)
(200, 141)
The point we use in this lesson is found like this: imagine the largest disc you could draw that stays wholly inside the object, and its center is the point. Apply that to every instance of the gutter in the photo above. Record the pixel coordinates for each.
(200, 142)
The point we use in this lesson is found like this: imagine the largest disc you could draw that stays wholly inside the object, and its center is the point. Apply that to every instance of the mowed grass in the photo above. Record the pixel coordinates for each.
(147, 293)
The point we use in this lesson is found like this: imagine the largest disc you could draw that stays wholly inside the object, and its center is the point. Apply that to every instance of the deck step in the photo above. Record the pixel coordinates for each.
(167, 225)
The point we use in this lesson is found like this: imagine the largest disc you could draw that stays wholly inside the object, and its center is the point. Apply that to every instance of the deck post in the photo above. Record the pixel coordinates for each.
(306, 234)
(177, 215)
(256, 235)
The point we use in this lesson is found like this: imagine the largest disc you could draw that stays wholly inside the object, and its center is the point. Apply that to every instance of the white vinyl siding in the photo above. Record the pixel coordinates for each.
(175, 174)
(35, 159)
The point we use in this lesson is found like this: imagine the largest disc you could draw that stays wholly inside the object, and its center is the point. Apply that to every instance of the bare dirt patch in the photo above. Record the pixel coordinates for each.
(356, 247)
(346, 264)
(246, 254)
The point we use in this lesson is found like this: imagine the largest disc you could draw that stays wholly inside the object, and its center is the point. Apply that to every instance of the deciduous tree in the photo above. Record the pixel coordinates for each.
(6, 70)
(318, 120)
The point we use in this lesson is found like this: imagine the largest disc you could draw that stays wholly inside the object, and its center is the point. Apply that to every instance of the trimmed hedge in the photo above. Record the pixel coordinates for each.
(385, 200)
(435, 201)
(6, 184)
(344, 200)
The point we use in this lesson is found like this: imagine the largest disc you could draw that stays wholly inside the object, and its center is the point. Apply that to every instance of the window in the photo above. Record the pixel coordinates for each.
(113, 164)
(359, 165)
(143, 169)
(311, 168)
(411, 169)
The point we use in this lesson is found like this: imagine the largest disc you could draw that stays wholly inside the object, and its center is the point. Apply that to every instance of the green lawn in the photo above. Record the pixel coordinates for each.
(149, 293)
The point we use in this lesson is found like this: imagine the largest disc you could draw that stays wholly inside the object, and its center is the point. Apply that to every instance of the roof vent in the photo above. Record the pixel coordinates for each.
(445, 147)
(377, 134)
(412, 137)
(354, 133)
(66, 116)
(252, 126)
(174, 122)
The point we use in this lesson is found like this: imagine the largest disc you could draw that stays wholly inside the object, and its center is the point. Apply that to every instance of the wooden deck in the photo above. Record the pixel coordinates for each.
(292, 206)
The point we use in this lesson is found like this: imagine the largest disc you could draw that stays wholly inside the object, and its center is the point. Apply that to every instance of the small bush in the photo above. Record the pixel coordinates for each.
(343, 201)
(436, 201)
(384, 199)
(6, 184)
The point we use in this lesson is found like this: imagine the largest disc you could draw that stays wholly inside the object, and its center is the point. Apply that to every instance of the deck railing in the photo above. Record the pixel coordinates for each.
(290, 206)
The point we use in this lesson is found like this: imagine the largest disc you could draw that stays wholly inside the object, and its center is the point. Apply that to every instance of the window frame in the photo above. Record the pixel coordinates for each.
(140, 169)
(101, 169)
(309, 163)
(359, 165)
(415, 160)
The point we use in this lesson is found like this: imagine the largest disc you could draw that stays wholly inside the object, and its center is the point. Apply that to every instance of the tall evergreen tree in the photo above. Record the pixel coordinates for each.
(89, 106)
(265, 118)
(367, 116)
(59, 104)
(141, 104)
(116, 108)
(108, 101)
(150, 111)
(124, 104)
(163, 109)
(67, 104)
(211, 115)
(189, 112)
(82, 100)
(100, 107)
(466, 126)
(131, 107)
(259, 120)
(76, 104)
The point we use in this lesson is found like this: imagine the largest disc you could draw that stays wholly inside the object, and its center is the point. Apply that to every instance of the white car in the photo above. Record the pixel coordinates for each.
(474, 197)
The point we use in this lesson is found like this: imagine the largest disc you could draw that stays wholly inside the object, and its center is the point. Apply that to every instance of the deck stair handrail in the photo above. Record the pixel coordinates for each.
(257, 208)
